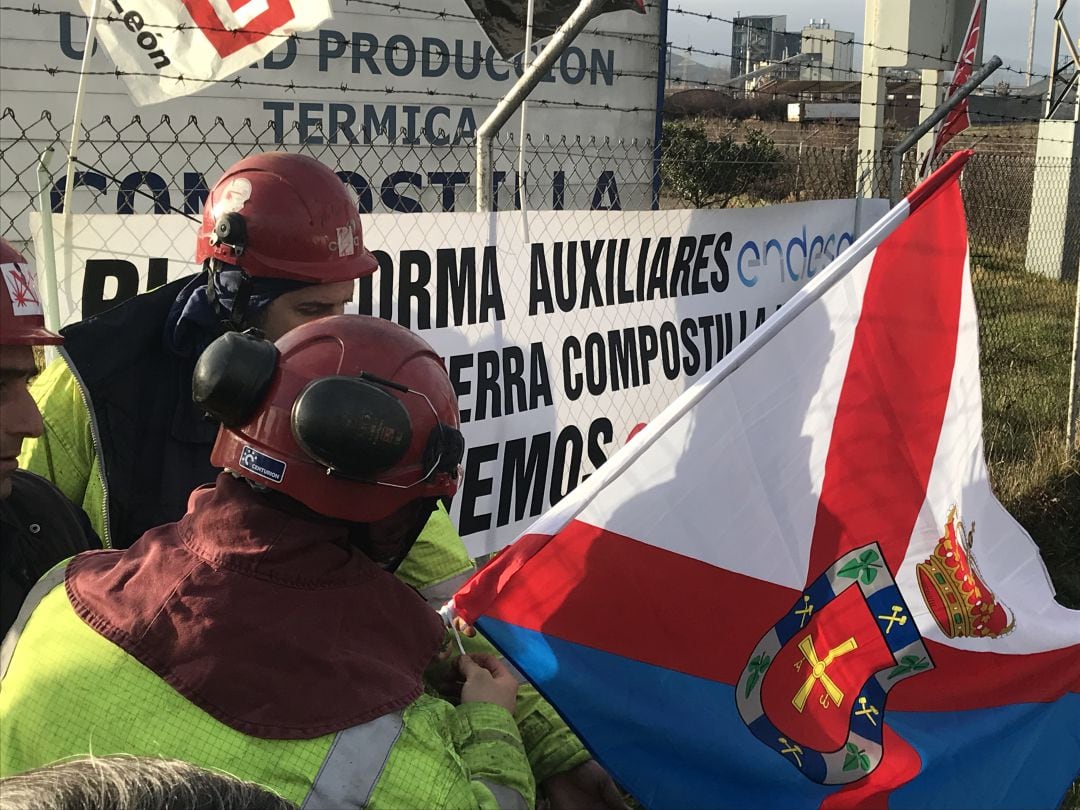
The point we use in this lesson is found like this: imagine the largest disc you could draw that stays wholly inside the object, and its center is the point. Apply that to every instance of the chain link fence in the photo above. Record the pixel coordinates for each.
(1025, 300)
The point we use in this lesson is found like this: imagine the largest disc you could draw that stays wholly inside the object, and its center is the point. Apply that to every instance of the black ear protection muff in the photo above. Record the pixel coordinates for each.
(356, 428)
(444, 451)
(351, 425)
(232, 376)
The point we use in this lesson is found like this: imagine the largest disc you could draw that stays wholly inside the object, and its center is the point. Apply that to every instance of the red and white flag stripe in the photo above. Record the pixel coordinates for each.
(857, 449)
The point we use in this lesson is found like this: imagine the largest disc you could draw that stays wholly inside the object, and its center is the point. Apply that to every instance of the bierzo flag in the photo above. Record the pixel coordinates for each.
(794, 587)
(958, 118)
(169, 48)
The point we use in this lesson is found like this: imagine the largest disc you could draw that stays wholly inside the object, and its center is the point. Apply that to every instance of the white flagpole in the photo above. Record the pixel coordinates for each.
(76, 126)
(47, 257)
(573, 504)
(1072, 430)
(524, 105)
(559, 515)
(827, 278)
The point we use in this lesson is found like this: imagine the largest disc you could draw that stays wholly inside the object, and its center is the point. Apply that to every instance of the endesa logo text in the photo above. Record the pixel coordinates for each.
(793, 259)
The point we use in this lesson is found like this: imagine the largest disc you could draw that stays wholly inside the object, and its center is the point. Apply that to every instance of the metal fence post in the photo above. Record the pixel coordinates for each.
(559, 42)
(962, 92)
(484, 174)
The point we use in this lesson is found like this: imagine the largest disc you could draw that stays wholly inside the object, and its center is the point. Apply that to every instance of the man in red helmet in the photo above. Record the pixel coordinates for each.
(40, 526)
(262, 634)
(281, 244)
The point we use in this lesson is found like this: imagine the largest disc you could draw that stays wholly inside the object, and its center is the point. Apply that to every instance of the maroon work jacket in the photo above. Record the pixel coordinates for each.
(265, 618)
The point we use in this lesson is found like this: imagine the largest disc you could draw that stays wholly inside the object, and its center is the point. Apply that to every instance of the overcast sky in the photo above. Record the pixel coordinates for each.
(1006, 26)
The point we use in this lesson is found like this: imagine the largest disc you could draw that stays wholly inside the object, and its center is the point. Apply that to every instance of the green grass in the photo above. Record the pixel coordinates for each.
(1025, 325)
(1025, 329)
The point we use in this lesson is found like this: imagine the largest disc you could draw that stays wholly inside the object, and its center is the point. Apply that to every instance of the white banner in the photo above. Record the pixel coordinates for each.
(560, 333)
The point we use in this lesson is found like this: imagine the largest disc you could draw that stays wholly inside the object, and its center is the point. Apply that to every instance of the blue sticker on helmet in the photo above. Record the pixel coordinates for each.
(267, 467)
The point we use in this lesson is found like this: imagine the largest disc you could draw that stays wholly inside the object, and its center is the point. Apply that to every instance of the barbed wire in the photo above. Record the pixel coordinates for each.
(398, 7)
(690, 49)
(728, 83)
(541, 144)
(109, 18)
(376, 57)
(292, 86)
(344, 87)
(889, 48)
(651, 75)
(708, 16)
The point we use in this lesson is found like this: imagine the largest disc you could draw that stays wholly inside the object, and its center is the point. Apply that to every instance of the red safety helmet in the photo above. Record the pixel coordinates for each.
(282, 215)
(22, 320)
(351, 415)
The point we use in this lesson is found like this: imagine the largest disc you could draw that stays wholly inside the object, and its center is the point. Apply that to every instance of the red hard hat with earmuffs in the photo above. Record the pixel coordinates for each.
(22, 320)
(352, 416)
(284, 215)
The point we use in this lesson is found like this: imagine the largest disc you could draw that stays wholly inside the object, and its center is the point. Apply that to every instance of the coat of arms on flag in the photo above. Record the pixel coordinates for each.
(784, 559)
(815, 687)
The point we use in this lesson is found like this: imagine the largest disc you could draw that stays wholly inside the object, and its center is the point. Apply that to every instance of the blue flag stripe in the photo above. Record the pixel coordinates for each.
(675, 740)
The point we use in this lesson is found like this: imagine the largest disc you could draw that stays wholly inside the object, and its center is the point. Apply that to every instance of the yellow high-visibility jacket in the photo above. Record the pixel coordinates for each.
(437, 565)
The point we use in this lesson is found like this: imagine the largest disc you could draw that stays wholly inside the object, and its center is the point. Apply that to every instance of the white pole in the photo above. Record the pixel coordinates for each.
(76, 126)
(1031, 39)
(572, 506)
(559, 42)
(746, 68)
(524, 106)
(47, 259)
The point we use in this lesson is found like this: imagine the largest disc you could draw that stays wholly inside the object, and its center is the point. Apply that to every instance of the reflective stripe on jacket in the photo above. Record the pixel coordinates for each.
(68, 691)
(437, 564)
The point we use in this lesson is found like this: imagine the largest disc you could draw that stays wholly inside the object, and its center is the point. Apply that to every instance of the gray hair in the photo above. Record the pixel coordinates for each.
(133, 783)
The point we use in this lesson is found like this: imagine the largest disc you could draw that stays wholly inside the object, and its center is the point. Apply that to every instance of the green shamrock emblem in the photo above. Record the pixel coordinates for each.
(855, 758)
(909, 663)
(866, 567)
(757, 667)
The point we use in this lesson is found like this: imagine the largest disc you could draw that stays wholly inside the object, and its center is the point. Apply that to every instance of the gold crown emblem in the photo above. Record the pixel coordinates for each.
(955, 592)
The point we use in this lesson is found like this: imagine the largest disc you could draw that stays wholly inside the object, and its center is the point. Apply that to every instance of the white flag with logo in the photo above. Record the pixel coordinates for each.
(169, 48)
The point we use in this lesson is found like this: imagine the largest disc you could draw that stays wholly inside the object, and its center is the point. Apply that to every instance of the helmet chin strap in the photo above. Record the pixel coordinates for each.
(363, 535)
(234, 319)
